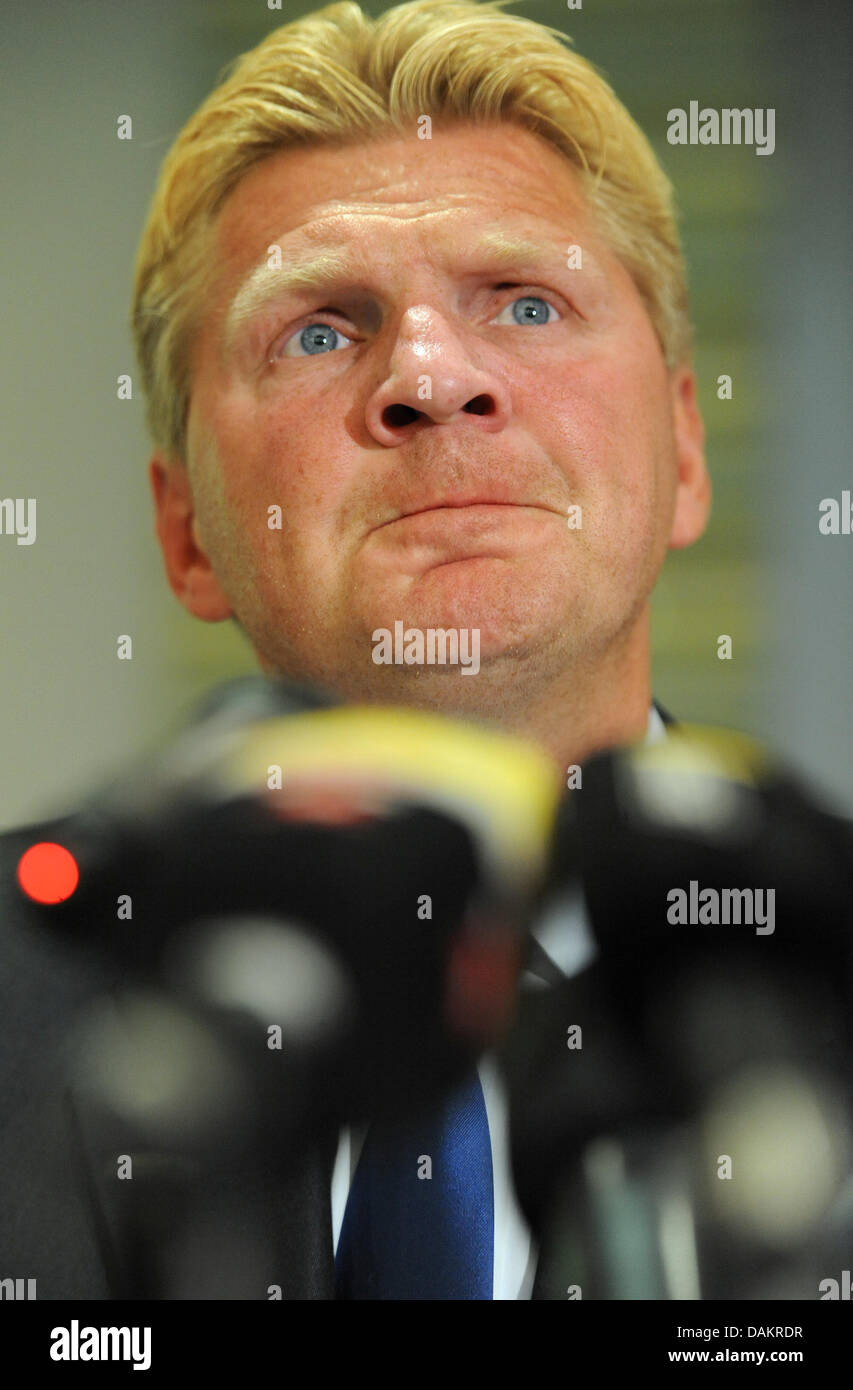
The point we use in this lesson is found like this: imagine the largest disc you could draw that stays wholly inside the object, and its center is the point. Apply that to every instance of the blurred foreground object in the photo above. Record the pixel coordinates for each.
(315, 913)
(353, 879)
(693, 1136)
(330, 908)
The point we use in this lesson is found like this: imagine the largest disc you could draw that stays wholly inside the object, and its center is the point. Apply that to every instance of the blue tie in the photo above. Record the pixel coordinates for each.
(419, 1221)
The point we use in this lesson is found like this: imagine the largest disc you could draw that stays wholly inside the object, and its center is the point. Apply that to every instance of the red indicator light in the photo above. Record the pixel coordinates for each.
(48, 873)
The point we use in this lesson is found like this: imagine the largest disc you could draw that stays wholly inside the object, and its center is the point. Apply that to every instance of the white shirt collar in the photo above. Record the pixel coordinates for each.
(655, 728)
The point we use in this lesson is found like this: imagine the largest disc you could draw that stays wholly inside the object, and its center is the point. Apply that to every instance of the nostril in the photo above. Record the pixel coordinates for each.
(480, 405)
(395, 416)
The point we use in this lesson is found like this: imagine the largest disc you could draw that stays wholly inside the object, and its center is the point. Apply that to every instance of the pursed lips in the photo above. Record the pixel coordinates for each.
(457, 503)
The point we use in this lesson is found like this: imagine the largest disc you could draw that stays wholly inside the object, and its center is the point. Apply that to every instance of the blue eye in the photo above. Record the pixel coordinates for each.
(529, 308)
(313, 339)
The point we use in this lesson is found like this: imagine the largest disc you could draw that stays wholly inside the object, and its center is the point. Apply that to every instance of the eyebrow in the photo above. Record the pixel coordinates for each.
(332, 268)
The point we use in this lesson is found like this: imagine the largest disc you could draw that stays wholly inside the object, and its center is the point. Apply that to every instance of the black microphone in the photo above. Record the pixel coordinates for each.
(719, 894)
(313, 913)
(383, 858)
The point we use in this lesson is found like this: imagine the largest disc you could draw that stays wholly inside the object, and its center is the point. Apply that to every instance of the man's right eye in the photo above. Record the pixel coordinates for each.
(313, 339)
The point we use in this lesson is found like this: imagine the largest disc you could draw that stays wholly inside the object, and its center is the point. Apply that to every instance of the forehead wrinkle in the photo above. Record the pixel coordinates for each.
(333, 266)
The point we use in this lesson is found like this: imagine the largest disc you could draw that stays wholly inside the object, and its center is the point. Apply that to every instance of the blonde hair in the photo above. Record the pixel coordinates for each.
(340, 76)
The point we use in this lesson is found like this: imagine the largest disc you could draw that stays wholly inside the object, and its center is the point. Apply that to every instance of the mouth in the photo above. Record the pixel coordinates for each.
(478, 500)
(454, 504)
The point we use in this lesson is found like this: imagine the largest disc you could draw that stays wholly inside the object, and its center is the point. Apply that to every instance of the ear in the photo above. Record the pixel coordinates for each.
(693, 490)
(189, 571)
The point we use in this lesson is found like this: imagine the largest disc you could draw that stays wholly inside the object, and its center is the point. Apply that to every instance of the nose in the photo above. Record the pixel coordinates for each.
(432, 380)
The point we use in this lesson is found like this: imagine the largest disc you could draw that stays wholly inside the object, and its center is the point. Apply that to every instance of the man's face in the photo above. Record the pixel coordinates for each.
(426, 420)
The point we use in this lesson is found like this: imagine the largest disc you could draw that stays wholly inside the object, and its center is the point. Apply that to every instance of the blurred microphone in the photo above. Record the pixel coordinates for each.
(314, 914)
(318, 912)
(312, 910)
(690, 1136)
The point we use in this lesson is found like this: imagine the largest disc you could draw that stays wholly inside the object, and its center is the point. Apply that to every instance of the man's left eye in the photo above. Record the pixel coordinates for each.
(313, 339)
(528, 308)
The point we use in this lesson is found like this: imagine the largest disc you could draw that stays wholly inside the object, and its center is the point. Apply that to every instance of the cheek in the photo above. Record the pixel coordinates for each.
(606, 426)
(230, 498)
(283, 453)
(233, 487)
(609, 429)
